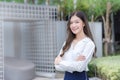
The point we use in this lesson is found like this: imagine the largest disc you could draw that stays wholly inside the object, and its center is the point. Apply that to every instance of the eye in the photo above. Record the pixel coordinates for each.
(77, 22)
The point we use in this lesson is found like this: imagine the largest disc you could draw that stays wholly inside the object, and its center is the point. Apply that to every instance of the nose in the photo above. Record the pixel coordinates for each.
(73, 24)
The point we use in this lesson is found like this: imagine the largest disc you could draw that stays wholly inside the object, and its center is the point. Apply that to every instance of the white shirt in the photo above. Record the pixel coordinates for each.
(85, 47)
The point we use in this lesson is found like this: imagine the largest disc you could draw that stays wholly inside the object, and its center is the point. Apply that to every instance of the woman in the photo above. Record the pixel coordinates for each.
(77, 50)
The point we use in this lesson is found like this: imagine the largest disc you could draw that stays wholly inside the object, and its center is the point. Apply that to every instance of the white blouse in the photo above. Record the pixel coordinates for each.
(85, 47)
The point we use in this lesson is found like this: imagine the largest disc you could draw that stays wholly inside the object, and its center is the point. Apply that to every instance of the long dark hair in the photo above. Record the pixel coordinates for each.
(71, 36)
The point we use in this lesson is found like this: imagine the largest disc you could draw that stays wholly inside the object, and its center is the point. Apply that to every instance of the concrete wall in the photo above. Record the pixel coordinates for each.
(96, 29)
(12, 39)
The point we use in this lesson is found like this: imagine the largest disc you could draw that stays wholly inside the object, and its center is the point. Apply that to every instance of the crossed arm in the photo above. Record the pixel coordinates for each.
(58, 59)
(79, 64)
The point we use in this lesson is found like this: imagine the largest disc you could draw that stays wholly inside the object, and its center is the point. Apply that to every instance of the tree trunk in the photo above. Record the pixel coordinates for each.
(92, 19)
(47, 2)
(107, 28)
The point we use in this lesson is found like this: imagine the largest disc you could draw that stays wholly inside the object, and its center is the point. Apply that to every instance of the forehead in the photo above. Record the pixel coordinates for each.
(74, 18)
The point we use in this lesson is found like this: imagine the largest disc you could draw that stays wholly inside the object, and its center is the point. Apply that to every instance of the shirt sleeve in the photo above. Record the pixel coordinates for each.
(79, 66)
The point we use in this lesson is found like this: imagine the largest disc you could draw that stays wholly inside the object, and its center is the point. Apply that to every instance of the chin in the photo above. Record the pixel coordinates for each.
(74, 32)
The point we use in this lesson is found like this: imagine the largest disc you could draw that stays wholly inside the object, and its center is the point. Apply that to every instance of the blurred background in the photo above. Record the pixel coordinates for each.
(34, 31)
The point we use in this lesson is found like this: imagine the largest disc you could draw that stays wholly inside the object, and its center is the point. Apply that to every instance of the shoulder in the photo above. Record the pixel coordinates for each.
(89, 42)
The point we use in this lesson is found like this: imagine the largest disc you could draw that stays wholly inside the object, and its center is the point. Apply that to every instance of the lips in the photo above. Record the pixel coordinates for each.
(74, 29)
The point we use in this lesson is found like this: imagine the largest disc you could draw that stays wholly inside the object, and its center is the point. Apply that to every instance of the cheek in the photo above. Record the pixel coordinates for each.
(70, 27)
(81, 26)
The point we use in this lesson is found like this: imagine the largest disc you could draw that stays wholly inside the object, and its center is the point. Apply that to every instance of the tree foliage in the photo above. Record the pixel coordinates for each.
(83, 6)
(67, 7)
(99, 7)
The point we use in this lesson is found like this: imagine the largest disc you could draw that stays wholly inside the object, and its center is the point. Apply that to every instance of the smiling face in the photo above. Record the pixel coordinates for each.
(76, 25)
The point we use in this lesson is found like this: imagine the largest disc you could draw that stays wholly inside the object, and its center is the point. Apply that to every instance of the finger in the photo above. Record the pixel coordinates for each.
(81, 58)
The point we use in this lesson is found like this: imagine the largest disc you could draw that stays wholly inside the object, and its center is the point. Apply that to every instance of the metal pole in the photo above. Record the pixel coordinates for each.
(113, 33)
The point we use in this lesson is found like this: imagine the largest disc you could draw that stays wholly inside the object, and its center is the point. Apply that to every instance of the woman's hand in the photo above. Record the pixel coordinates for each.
(80, 58)
(57, 60)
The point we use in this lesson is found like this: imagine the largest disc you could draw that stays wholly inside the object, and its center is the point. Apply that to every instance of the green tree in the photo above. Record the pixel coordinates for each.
(83, 6)
(103, 8)
(67, 7)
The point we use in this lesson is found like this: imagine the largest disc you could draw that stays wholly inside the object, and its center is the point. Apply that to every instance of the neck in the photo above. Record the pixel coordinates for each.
(80, 36)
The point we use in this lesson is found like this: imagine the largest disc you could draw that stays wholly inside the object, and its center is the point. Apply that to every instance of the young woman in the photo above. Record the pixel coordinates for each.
(77, 50)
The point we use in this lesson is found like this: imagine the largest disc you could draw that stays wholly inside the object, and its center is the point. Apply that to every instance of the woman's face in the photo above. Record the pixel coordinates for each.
(76, 25)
